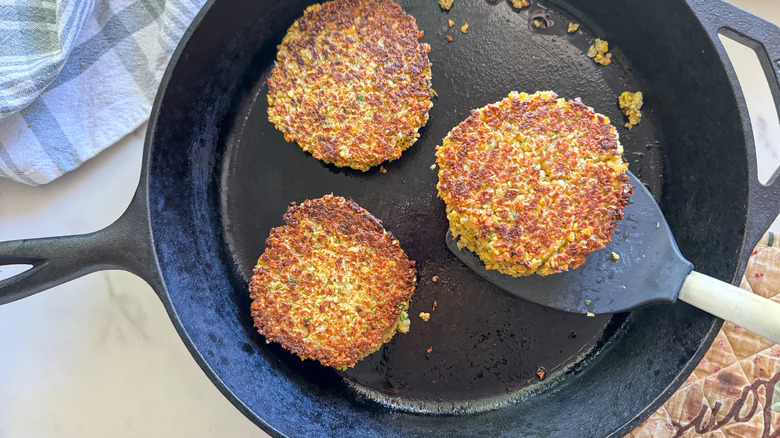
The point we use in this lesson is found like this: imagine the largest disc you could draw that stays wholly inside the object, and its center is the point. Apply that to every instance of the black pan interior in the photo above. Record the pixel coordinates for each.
(220, 176)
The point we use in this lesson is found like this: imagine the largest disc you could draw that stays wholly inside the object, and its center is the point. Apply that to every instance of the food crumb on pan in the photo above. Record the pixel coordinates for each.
(435, 305)
(465, 27)
(382, 169)
(450, 23)
(404, 322)
(541, 372)
(539, 23)
(429, 350)
(446, 4)
(520, 4)
(598, 51)
(573, 27)
(588, 302)
(435, 278)
(590, 314)
(630, 103)
(448, 38)
(615, 256)
(425, 316)
(433, 166)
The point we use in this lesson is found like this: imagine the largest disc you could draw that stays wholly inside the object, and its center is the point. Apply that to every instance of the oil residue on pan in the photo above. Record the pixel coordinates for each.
(481, 347)
(489, 389)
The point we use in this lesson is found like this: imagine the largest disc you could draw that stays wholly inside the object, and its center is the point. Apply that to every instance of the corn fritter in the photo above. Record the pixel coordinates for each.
(533, 183)
(333, 284)
(351, 82)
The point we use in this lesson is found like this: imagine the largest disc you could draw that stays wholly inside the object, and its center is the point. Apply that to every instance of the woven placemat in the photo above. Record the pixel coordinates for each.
(735, 389)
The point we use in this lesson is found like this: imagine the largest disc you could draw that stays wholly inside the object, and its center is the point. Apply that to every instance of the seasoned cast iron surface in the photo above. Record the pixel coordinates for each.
(480, 344)
(219, 176)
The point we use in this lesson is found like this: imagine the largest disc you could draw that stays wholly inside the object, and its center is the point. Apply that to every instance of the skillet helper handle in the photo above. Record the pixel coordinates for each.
(745, 309)
(720, 17)
(748, 29)
(125, 244)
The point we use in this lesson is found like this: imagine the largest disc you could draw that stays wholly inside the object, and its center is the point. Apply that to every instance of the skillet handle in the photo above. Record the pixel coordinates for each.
(125, 244)
(719, 17)
(745, 28)
(752, 312)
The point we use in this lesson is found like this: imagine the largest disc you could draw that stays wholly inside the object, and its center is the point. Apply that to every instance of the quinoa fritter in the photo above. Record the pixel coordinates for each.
(333, 284)
(351, 83)
(533, 183)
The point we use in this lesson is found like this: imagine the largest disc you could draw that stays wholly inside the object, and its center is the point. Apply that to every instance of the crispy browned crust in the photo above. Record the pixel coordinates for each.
(533, 183)
(332, 284)
(351, 84)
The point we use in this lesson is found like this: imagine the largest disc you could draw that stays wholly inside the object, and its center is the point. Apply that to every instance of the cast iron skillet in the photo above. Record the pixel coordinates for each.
(217, 177)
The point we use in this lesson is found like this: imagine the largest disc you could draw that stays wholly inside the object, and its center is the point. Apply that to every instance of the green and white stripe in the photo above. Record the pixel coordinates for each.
(76, 76)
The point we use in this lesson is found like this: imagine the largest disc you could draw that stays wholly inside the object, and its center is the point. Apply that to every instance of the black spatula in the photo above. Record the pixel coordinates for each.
(641, 265)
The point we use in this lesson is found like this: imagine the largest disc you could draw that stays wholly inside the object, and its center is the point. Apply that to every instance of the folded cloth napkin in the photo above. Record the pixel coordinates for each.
(77, 76)
(735, 389)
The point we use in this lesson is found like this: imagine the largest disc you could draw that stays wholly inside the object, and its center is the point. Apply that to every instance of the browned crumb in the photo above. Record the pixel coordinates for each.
(435, 279)
(310, 290)
(465, 27)
(450, 23)
(520, 4)
(382, 169)
(630, 103)
(573, 27)
(425, 316)
(598, 51)
(435, 305)
(448, 38)
(429, 350)
(446, 4)
(539, 23)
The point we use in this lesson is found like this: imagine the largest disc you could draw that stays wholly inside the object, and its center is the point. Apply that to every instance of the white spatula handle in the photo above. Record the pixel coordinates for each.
(747, 310)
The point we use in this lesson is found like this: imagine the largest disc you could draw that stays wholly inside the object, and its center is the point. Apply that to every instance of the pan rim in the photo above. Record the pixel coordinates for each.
(190, 343)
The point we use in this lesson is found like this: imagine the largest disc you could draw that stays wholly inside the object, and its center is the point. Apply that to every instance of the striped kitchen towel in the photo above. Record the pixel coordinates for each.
(78, 75)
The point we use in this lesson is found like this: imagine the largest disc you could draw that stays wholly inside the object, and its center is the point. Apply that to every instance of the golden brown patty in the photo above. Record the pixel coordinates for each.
(332, 284)
(533, 183)
(351, 83)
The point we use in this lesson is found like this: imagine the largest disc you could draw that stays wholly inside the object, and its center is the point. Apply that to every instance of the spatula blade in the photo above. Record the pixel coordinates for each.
(648, 268)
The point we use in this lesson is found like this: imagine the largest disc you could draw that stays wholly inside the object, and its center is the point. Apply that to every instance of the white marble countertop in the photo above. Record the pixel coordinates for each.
(98, 356)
